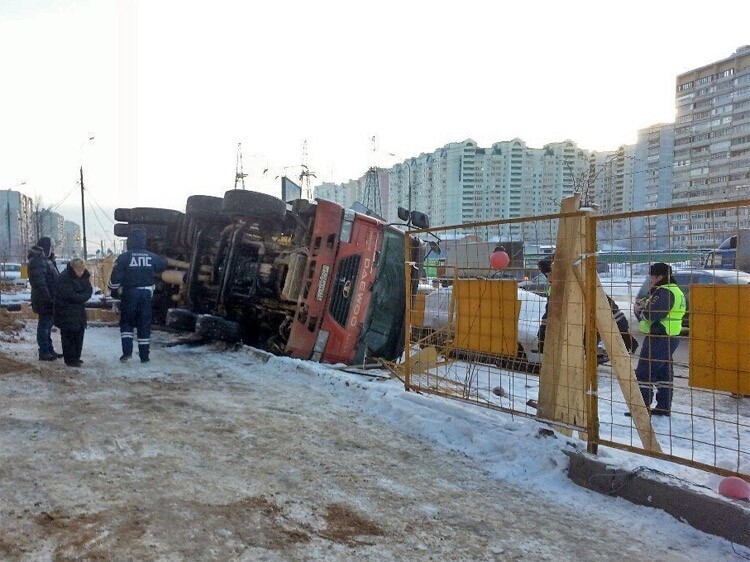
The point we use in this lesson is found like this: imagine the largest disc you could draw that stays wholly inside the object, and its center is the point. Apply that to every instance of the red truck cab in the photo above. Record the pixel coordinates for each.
(352, 306)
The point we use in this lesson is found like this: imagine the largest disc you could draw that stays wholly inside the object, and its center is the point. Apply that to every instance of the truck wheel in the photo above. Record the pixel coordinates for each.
(154, 215)
(181, 319)
(217, 328)
(122, 230)
(204, 207)
(153, 231)
(265, 209)
(122, 215)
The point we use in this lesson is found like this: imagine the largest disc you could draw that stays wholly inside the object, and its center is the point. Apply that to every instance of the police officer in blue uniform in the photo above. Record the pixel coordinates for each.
(132, 280)
(660, 319)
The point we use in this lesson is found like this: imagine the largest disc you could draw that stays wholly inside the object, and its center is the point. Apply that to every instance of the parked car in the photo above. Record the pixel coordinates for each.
(685, 278)
(537, 284)
(729, 254)
(528, 356)
(437, 308)
(11, 273)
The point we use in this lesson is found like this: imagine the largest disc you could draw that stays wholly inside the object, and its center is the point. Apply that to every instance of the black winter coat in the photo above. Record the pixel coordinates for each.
(72, 294)
(43, 276)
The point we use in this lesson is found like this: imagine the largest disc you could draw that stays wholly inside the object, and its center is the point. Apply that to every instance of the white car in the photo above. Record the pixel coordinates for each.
(437, 307)
(10, 273)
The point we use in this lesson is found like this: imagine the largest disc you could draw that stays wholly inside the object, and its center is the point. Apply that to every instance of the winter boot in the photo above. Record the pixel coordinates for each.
(144, 351)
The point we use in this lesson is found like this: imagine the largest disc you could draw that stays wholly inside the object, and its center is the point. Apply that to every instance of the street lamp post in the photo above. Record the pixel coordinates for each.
(408, 196)
(408, 165)
(83, 217)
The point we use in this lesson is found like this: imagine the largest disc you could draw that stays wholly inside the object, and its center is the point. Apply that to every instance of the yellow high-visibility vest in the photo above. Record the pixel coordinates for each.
(672, 322)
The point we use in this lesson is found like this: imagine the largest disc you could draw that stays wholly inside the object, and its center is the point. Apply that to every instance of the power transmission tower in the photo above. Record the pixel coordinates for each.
(371, 195)
(306, 174)
(239, 173)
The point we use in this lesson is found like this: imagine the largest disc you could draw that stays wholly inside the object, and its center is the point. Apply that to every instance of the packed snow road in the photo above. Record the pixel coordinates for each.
(208, 454)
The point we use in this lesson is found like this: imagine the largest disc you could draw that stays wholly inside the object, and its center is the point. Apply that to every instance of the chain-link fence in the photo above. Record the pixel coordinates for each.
(590, 341)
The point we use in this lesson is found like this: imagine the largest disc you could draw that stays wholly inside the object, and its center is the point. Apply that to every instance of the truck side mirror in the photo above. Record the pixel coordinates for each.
(420, 220)
(403, 214)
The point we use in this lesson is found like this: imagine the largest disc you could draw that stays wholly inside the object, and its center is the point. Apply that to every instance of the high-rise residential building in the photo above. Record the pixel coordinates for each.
(353, 191)
(52, 225)
(463, 183)
(16, 234)
(610, 180)
(652, 182)
(712, 147)
(345, 194)
(72, 246)
(609, 184)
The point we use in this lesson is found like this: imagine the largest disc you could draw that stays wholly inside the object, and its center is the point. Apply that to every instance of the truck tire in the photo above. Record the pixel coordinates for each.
(206, 207)
(122, 215)
(181, 319)
(153, 231)
(268, 211)
(154, 215)
(217, 328)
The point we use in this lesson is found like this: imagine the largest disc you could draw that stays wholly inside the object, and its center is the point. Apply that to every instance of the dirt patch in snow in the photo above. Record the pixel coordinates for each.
(219, 456)
(8, 365)
(9, 324)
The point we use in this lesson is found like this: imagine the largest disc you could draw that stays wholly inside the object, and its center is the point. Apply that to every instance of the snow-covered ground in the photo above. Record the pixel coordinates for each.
(207, 453)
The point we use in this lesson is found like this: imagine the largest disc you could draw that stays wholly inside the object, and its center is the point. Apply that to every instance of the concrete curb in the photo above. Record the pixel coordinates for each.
(729, 519)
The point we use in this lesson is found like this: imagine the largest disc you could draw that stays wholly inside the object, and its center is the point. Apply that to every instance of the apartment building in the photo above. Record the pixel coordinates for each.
(348, 193)
(463, 183)
(653, 180)
(16, 232)
(51, 224)
(712, 147)
(72, 246)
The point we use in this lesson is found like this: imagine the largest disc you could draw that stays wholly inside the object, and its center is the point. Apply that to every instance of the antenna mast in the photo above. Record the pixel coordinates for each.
(239, 173)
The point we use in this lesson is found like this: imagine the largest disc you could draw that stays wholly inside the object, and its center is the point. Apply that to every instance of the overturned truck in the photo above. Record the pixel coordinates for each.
(309, 280)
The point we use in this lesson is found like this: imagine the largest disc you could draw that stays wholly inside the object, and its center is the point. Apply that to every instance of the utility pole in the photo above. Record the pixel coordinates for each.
(83, 217)
(10, 248)
(6, 258)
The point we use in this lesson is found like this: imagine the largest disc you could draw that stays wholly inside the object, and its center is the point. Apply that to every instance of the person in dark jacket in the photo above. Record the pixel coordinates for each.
(43, 279)
(660, 319)
(132, 280)
(73, 290)
(631, 344)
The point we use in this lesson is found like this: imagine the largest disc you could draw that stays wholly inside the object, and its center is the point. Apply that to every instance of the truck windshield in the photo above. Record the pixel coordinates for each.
(383, 334)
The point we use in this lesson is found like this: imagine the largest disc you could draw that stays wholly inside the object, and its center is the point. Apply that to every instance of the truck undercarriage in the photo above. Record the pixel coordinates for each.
(287, 277)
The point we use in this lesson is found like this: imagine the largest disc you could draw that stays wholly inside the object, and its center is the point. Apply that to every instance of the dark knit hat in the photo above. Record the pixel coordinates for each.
(545, 266)
(661, 268)
(45, 243)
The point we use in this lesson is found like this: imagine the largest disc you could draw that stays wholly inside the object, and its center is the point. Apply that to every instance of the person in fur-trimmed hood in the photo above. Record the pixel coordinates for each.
(73, 290)
(43, 279)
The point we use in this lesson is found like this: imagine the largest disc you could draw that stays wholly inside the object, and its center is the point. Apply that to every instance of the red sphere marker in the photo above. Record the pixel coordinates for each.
(734, 487)
(499, 259)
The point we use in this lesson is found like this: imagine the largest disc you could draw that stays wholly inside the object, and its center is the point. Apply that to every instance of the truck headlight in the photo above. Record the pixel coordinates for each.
(347, 223)
(320, 345)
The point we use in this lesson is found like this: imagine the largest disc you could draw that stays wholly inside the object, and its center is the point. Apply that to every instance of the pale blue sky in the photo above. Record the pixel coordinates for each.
(168, 88)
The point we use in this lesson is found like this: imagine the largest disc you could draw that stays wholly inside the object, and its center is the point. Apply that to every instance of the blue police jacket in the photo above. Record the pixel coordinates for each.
(136, 267)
